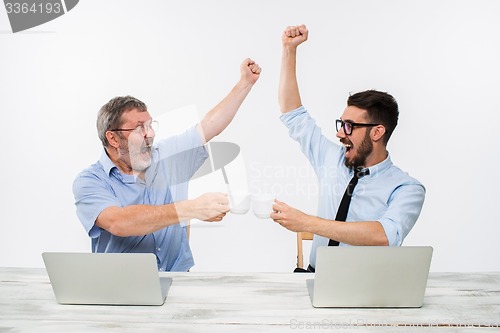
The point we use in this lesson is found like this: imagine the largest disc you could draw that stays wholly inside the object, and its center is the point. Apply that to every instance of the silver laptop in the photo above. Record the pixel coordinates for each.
(370, 276)
(106, 278)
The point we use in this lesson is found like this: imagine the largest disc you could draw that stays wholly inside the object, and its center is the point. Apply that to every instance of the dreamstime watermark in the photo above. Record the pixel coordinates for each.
(324, 324)
(26, 14)
(328, 324)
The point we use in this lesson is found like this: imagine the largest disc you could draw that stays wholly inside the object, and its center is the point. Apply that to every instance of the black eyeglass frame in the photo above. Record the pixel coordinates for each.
(339, 123)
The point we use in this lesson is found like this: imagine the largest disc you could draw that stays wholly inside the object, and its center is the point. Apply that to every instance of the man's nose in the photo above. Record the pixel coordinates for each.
(148, 131)
(340, 133)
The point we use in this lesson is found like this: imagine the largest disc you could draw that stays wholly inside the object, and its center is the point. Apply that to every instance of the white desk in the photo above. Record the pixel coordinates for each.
(249, 302)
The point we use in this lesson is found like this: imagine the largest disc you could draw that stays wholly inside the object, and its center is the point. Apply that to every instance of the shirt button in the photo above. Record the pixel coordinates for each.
(158, 249)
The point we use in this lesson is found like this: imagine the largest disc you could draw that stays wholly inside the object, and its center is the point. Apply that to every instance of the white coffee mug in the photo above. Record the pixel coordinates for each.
(239, 202)
(262, 205)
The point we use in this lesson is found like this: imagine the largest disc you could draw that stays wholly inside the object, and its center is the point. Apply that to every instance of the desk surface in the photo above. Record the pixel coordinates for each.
(249, 302)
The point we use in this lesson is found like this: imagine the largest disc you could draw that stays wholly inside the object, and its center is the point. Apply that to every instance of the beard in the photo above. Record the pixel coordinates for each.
(364, 150)
(138, 157)
(141, 161)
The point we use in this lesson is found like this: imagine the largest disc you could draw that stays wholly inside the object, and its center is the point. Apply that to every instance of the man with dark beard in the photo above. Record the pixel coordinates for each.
(386, 201)
(135, 197)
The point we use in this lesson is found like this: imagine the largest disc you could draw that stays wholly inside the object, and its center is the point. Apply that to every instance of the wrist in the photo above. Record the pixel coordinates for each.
(184, 210)
(244, 84)
(289, 50)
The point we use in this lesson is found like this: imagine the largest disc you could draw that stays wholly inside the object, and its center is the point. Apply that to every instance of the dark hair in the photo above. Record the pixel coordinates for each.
(110, 114)
(382, 109)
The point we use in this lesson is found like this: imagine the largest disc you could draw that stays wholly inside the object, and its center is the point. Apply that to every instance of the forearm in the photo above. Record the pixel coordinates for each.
(137, 220)
(288, 92)
(217, 119)
(352, 233)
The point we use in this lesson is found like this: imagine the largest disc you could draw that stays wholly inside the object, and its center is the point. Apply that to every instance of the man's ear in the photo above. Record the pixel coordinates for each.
(112, 138)
(378, 133)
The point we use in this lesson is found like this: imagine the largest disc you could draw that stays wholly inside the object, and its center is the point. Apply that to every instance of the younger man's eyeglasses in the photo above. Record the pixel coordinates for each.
(348, 126)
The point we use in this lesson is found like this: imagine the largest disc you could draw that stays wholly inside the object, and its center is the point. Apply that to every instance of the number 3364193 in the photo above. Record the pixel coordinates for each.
(25, 8)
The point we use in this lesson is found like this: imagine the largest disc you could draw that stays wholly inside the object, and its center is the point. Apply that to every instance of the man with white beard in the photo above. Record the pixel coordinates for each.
(134, 198)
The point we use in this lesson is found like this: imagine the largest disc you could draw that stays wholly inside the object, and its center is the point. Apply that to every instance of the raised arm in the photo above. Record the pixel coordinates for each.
(217, 119)
(288, 93)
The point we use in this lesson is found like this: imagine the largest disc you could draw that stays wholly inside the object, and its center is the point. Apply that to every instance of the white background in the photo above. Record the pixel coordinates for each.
(440, 59)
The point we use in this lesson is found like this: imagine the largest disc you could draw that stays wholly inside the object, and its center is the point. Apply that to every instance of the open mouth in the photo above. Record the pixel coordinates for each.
(145, 149)
(348, 148)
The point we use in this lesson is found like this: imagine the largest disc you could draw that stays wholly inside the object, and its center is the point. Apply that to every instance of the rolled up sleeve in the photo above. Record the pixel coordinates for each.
(404, 207)
(91, 197)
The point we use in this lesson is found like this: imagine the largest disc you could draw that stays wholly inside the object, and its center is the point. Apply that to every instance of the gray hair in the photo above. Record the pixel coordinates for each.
(110, 114)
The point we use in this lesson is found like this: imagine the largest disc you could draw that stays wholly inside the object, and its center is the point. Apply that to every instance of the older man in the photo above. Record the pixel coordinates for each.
(134, 197)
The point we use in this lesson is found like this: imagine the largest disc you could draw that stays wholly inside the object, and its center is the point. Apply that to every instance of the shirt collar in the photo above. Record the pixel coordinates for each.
(381, 167)
(106, 163)
(109, 167)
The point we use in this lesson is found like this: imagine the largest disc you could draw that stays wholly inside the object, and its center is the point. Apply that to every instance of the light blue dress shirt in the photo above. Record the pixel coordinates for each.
(387, 195)
(102, 185)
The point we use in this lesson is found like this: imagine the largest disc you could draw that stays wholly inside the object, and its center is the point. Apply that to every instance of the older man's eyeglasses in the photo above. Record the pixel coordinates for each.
(141, 129)
(348, 126)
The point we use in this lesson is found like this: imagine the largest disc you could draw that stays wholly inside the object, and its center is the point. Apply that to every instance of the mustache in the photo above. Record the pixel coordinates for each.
(345, 141)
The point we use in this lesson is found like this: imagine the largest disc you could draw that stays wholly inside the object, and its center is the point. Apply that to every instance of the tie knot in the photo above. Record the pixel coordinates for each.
(360, 172)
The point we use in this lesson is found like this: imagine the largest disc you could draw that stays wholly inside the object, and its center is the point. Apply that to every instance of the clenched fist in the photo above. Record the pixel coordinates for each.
(250, 70)
(295, 35)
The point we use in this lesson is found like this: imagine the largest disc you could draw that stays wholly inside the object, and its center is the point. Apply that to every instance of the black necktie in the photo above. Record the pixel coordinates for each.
(346, 199)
